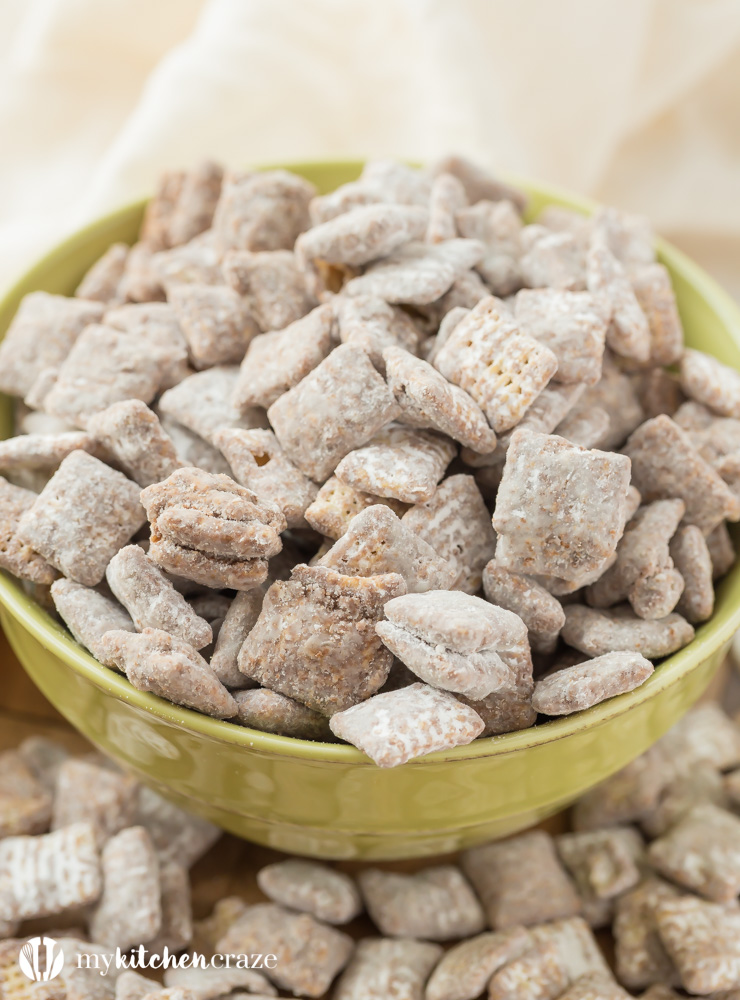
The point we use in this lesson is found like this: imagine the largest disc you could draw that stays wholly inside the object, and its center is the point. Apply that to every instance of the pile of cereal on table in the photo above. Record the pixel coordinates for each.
(382, 460)
(654, 855)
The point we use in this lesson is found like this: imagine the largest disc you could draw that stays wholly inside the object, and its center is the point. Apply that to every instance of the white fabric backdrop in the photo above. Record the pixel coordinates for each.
(636, 102)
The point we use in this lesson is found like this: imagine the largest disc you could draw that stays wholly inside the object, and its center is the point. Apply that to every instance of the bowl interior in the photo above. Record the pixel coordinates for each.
(711, 322)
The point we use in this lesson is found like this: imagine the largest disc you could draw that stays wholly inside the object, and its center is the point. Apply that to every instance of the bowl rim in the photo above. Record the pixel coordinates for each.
(53, 637)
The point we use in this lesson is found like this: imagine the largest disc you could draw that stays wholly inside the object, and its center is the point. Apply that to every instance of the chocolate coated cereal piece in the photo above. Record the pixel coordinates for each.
(395, 726)
(381, 967)
(539, 610)
(177, 835)
(464, 971)
(703, 939)
(701, 852)
(199, 983)
(479, 183)
(427, 399)
(538, 974)
(259, 463)
(343, 199)
(17, 556)
(106, 365)
(160, 208)
(398, 462)
(367, 322)
(560, 510)
(654, 292)
(576, 944)
(346, 663)
(665, 464)
(204, 568)
(599, 632)
(133, 435)
(457, 524)
(102, 281)
(311, 887)
(155, 322)
(151, 600)
(721, 550)
(197, 262)
(82, 517)
(208, 931)
(626, 796)
(701, 785)
(141, 282)
(502, 370)
(587, 426)
(573, 689)
(629, 236)
(361, 235)
(641, 958)
(49, 874)
(397, 182)
(277, 361)
(132, 986)
(603, 863)
(708, 381)
(628, 333)
(436, 904)
(644, 572)
(262, 211)
(170, 668)
(237, 624)
(337, 503)
(271, 712)
(499, 226)
(88, 615)
(309, 954)
(339, 406)
(25, 805)
(571, 324)
(129, 912)
(417, 273)
(41, 336)
(86, 793)
(273, 284)
(217, 323)
(551, 260)
(202, 403)
(447, 197)
(196, 202)
(521, 881)
(693, 561)
(377, 542)
(176, 928)
(44, 756)
(595, 986)
(615, 393)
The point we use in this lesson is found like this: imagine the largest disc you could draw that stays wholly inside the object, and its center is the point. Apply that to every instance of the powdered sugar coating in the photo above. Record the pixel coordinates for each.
(615, 393)
(398, 462)
(196, 202)
(129, 911)
(542, 614)
(362, 234)
(49, 874)
(89, 614)
(41, 336)
(308, 954)
(693, 561)
(587, 426)
(346, 663)
(151, 600)
(272, 712)
(665, 464)
(427, 399)
(551, 260)
(628, 333)
(84, 514)
(417, 273)
(576, 688)
(479, 183)
(502, 370)
(380, 968)
(25, 804)
(337, 503)
(629, 236)
(273, 284)
(368, 322)
(160, 207)
(195, 263)
(499, 226)
(641, 958)
(701, 853)
(708, 381)
(560, 510)
(277, 361)
(377, 542)
(598, 632)
(133, 435)
(202, 403)
(571, 324)
(155, 322)
(262, 211)
(87, 793)
(436, 904)
(217, 323)
(654, 292)
(395, 726)
(198, 983)
(339, 406)
(447, 197)
(177, 835)
(311, 887)
(102, 281)
(538, 974)
(16, 555)
(170, 668)
(463, 972)
(703, 939)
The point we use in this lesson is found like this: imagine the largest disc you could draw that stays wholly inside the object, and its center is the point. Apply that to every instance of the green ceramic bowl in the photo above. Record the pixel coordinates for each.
(330, 800)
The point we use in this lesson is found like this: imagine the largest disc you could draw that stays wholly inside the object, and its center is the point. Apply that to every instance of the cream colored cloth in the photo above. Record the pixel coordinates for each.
(635, 102)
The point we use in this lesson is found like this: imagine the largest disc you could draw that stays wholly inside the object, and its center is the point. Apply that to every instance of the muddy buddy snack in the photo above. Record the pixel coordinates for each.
(257, 444)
